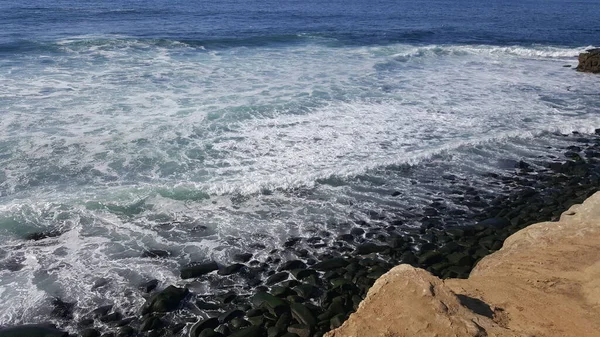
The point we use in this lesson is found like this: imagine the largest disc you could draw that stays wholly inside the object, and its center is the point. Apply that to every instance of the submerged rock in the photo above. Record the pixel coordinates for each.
(198, 270)
(166, 300)
(33, 330)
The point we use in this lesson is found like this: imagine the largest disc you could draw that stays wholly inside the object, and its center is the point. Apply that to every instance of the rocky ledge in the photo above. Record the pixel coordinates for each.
(545, 281)
(589, 61)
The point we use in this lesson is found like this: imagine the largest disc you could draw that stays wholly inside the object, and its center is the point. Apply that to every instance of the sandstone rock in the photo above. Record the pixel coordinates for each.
(542, 282)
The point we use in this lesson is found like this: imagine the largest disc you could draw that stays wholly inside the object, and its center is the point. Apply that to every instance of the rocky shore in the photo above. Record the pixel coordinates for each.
(312, 284)
(543, 282)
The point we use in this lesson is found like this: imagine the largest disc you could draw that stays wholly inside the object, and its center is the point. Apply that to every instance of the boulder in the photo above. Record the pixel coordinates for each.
(166, 300)
(589, 61)
(198, 270)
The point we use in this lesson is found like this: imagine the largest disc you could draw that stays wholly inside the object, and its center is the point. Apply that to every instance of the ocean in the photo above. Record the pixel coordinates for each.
(207, 129)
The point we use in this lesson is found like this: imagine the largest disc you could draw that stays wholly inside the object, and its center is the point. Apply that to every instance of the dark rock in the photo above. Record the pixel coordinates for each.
(239, 323)
(177, 327)
(303, 273)
(301, 330)
(102, 311)
(234, 268)
(209, 323)
(198, 270)
(302, 314)
(276, 278)
(32, 330)
(396, 193)
(112, 317)
(101, 282)
(87, 333)
(252, 331)
(305, 290)
(270, 302)
(292, 242)
(151, 323)
(345, 237)
(166, 300)
(368, 248)
(495, 222)
(293, 264)
(42, 235)
(229, 315)
(156, 253)
(206, 305)
(460, 259)
(210, 333)
(336, 321)
(243, 257)
(149, 286)
(589, 61)
(331, 264)
(357, 231)
(125, 321)
(85, 322)
(62, 309)
(430, 257)
(126, 331)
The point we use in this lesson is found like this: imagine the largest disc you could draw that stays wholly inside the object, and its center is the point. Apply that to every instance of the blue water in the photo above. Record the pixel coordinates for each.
(206, 127)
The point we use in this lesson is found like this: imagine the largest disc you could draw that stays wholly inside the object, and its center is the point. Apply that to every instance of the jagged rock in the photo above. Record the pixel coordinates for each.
(589, 61)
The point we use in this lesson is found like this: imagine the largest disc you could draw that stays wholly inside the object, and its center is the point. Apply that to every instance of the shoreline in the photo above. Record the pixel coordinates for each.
(306, 295)
(542, 282)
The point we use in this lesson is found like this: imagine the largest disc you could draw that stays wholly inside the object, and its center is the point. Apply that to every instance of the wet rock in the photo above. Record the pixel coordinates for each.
(229, 315)
(302, 314)
(495, 222)
(270, 302)
(292, 242)
(32, 330)
(210, 333)
(331, 264)
(252, 331)
(85, 322)
(166, 300)
(589, 61)
(276, 278)
(232, 269)
(151, 323)
(209, 323)
(61, 309)
(301, 330)
(198, 270)
(156, 253)
(243, 257)
(293, 264)
(36, 236)
(239, 323)
(102, 311)
(126, 331)
(149, 286)
(368, 248)
(203, 305)
(430, 257)
(87, 333)
(99, 283)
(112, 317)
(177, 327)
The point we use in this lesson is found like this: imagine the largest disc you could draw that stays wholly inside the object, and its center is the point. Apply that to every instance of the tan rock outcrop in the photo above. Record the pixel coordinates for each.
(545, 281)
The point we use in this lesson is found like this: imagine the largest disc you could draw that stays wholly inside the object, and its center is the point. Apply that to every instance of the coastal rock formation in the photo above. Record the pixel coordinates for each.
(545, 281)
(589, 61)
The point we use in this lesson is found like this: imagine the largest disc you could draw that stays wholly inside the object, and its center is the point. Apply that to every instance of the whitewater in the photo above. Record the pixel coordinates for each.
(216, 132)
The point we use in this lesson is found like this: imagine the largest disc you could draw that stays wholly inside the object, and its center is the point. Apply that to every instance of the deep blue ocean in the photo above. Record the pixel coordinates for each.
(206, 127)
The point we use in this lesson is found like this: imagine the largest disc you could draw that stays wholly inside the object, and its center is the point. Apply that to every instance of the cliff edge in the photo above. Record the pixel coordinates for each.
(545, 281)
